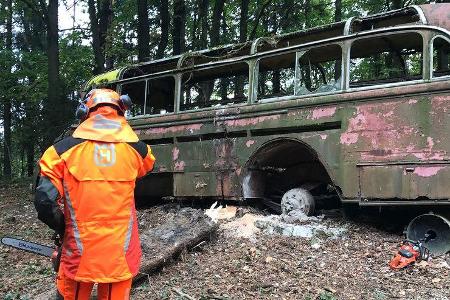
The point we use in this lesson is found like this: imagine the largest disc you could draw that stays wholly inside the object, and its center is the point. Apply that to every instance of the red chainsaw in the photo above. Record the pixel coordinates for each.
(53, 252)
(411, 252)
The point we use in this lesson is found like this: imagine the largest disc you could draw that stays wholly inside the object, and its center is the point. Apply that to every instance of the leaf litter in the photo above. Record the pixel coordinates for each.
(252, 256)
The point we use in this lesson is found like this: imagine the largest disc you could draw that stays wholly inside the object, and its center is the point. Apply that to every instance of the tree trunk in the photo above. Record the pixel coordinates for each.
(164, 25)
(307, 13)
(179, 18)
(243, 22)
(215, 25)
(30, 159)
(203, 16)
(7, 101)
(143, 31)
(99, 59)
(54, 106)
(105, 13)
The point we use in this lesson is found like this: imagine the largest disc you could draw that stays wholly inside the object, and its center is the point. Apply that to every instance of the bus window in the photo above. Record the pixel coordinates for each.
(319, 70)
(441, 57)
(160, 96)
(386, 59)
(215, 87)
(276, 76)
(136, 91)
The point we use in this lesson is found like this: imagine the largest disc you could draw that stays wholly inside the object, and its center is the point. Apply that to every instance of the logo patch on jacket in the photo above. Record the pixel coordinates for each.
(105, 155)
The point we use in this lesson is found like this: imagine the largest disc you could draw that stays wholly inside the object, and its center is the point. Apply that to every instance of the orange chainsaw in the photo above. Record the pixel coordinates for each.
(410, 252)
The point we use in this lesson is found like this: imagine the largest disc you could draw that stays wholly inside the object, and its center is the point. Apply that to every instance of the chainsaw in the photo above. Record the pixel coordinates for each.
(410, 252)
(53, 252)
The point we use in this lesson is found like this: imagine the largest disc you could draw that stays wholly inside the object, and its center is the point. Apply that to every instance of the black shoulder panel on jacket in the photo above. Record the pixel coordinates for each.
(66, 144)
(140, 147)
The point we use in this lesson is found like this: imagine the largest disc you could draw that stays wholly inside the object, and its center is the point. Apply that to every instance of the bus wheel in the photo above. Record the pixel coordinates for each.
(298, 199)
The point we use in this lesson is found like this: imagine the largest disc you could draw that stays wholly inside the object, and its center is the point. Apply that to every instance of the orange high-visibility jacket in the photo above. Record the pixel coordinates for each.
(86, 190)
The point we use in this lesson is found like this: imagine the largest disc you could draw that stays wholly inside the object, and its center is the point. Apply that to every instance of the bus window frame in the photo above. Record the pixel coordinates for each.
(431, 50)
(345, 41)
(425, 54)
(299, 52)
(207, 67)
(146, 79)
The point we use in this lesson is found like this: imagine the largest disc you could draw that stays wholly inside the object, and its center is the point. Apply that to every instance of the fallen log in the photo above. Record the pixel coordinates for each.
(182, 230)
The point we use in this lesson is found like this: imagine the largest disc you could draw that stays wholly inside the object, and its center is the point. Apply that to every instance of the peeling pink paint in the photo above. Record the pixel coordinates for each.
(250, 121)
(386, 135)
(175, 152)
(349, 138)
(323, 112)
(249, 143)
(388, 114)
(323, 136)
(430, 142)
(440, 103)
(412, 101)
(427, 171)
(179, 166)
(174, 129)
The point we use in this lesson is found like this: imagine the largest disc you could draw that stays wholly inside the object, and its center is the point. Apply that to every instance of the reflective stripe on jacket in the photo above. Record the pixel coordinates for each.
(93, 182)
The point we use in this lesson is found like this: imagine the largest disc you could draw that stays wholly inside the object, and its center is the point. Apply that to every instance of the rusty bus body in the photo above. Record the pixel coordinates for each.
(376, 137)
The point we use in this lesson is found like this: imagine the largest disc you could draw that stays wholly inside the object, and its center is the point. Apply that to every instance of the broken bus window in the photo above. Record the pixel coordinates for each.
(386, 59)
(441, 57)
(159, 98)
(215, 87)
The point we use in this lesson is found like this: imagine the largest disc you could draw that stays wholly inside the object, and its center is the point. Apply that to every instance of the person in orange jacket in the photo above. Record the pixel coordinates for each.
(86, 193)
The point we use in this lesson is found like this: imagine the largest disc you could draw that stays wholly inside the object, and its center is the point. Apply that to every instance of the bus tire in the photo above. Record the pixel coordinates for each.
(298, 199)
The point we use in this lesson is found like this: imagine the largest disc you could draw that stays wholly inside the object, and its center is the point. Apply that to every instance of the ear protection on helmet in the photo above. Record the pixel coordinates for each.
(82, 111)
(124, 103)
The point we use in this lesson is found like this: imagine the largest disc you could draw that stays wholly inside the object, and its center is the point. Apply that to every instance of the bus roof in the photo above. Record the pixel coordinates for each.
(428, 14)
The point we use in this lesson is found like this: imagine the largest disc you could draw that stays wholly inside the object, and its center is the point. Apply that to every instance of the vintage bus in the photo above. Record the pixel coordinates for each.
(358, 110)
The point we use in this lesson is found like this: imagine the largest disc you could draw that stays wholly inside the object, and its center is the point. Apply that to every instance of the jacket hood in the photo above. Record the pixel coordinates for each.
(106, 125)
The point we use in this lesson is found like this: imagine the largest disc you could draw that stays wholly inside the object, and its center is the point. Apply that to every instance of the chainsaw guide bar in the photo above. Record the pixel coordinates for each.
(28, 246)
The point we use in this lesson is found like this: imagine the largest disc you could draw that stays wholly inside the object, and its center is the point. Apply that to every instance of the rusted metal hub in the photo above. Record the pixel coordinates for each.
(436, 226)
(297, 199)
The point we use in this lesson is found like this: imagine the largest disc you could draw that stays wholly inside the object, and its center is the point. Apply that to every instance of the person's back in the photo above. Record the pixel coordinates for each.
(92, 175)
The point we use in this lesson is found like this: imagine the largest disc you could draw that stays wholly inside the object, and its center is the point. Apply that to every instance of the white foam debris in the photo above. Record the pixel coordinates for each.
(295, 225)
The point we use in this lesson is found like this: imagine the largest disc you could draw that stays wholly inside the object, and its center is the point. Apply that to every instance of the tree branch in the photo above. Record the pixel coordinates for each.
(260, 14)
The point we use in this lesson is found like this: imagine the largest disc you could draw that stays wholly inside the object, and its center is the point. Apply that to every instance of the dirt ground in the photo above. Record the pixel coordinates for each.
(352, 265)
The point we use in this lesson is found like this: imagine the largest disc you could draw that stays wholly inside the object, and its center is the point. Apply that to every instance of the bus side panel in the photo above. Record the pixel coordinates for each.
(401, 147)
